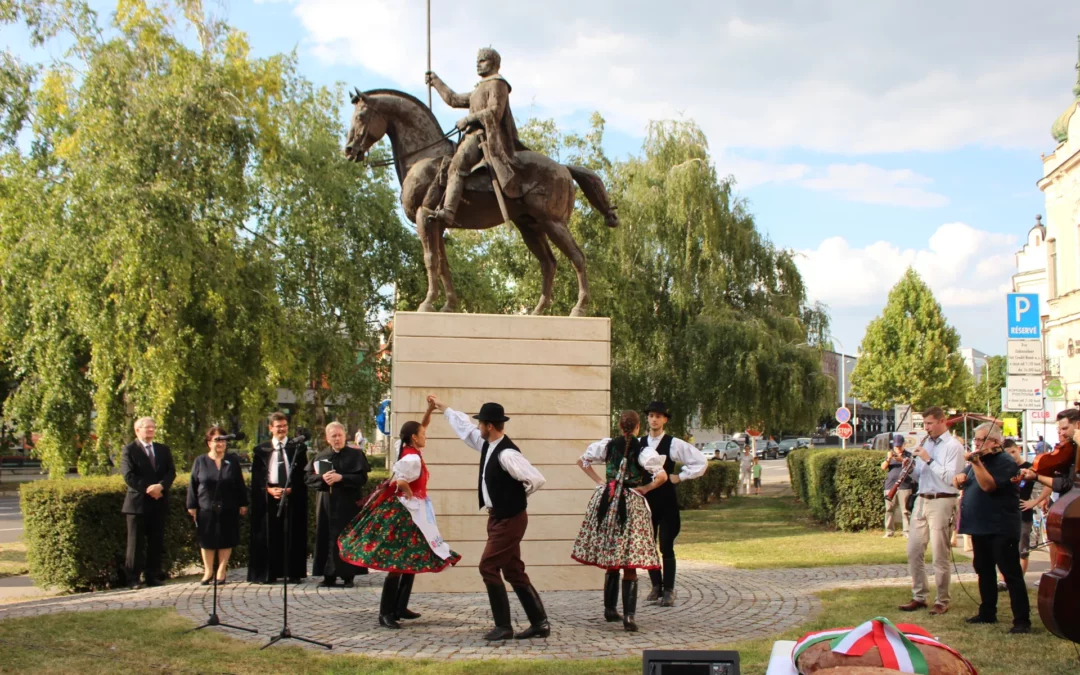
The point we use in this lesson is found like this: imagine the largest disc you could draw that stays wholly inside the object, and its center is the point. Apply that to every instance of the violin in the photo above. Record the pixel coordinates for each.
(1063, 455)
(1059, 589)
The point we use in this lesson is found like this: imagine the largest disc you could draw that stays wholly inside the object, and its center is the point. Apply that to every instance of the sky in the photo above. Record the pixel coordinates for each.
(865, 136)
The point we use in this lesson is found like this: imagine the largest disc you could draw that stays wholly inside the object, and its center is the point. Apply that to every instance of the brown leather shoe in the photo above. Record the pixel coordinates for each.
(912, 606)
(938, 609)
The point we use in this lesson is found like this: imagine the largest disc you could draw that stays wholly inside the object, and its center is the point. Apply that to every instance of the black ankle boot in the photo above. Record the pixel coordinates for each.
(611, 597)
(534, 609)
(669, 598)
(388, 601)
(500, 612)
(655, 594)
(404, 593)
(629, 605)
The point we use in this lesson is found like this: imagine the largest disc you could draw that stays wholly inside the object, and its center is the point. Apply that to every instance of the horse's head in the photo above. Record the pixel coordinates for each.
(367, 127)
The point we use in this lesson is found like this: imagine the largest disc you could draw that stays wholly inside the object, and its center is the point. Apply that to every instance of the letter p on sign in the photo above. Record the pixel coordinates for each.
(1024, 321)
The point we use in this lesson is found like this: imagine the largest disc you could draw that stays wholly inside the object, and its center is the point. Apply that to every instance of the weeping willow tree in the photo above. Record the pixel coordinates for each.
(706, 313)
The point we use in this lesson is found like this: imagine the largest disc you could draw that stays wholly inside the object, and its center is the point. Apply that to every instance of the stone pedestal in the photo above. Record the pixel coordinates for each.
(553, 377)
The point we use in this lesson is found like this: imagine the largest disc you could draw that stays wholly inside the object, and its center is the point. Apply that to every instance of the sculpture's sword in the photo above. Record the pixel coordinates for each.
(494, 180)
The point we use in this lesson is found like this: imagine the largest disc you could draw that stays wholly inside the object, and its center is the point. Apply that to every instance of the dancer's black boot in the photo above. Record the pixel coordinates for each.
(500, 612)
(611, 597)
(534, 609)
(404, 592)
(669, 582)
(629, 605)
(388, 601)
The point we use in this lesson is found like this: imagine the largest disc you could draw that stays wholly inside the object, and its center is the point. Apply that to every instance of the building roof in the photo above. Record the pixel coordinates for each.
(1060, 128)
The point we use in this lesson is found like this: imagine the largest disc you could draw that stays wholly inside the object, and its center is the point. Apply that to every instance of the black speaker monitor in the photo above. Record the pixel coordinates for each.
(689, 662)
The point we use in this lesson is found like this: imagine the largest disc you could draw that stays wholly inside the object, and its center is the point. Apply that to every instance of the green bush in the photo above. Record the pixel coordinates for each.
(859, 482)
(821, 482)
(796, 463)
(76, 536)
(719, 479)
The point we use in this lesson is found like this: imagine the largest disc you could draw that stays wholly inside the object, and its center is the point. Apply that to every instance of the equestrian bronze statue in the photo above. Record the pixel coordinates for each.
(481, 182)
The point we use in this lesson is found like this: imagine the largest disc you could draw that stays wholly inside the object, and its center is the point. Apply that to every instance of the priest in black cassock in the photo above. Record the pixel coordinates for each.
(339, 475)
(272, 465)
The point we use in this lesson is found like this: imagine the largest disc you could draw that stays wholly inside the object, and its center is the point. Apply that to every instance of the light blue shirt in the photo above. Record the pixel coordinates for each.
(936, 477)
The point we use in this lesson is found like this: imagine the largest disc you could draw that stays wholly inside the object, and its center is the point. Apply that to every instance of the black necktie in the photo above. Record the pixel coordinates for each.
(150, 454)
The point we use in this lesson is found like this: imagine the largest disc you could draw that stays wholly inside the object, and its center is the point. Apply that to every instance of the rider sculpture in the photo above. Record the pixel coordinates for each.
(489, 131)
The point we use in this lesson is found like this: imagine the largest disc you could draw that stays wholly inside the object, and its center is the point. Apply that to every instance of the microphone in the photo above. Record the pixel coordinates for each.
(238, 436)
(299, 440)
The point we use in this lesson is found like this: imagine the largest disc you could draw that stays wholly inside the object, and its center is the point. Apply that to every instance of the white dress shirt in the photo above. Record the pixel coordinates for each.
(279, 448)
(648, 459)
(936, 477)
(694, 463)
(512, 462)
(407, 468)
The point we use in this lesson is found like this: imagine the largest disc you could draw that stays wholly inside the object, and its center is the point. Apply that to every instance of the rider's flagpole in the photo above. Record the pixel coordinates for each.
(429, 50)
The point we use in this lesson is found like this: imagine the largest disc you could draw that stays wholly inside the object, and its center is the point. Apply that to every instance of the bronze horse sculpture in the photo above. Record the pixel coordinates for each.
(421, 153)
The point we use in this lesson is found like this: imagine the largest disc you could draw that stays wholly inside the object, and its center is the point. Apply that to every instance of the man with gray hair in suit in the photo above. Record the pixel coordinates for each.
(149, 472)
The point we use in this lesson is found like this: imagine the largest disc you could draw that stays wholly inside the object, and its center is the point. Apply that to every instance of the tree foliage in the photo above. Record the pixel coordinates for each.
(985, 396)
(133, 280)
(910, 353)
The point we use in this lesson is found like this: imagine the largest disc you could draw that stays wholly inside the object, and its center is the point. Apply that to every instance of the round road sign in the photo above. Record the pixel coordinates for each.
(843, 415)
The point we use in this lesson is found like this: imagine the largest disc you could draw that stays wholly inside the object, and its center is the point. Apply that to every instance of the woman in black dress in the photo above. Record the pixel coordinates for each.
(216, 499)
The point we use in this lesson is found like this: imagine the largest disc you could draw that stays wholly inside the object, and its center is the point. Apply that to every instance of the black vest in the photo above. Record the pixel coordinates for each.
(506, 492)
(663, 499)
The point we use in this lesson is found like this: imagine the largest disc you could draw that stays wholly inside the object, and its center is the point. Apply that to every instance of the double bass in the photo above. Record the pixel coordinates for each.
(1059, 589)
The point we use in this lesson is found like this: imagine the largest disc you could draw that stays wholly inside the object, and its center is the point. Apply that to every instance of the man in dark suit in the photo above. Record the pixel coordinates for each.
(149, 472)
(272, 466)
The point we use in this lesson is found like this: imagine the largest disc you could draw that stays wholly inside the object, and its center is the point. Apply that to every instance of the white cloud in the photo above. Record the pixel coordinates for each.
(964, 266)
(852, 182)
(846, 76)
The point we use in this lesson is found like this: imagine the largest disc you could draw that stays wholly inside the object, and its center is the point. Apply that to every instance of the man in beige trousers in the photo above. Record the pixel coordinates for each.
(938, 459)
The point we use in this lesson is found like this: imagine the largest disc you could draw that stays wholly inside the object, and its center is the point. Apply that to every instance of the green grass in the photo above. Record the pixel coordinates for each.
(776, 532)
(13, 559)
(152, 640)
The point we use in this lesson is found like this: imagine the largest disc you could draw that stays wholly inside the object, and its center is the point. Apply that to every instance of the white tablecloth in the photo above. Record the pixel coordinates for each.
(780, 659)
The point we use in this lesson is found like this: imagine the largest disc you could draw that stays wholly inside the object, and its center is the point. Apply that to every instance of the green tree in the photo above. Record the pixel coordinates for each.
(985, 396)
(910, 353)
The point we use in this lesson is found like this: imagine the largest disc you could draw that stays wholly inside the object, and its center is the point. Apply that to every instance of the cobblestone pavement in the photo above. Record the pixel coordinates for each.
(714, 605)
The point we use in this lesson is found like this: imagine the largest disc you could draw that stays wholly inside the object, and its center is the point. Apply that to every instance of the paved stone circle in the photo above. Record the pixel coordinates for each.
(715, 605)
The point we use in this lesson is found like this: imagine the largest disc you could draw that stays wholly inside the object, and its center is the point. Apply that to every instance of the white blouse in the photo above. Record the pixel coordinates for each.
(407, 468)
(648, 459)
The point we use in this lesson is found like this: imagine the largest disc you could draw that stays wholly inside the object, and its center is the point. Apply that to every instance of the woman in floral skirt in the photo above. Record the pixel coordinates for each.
(617, 531)
(396, 531)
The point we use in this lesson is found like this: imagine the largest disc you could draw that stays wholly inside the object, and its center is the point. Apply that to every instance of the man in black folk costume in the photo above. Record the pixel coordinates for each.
(664, 501)
(272, 463)
(338, 474)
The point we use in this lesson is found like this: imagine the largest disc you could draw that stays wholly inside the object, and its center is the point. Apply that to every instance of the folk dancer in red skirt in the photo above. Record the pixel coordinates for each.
(396, 531)
(617, 532)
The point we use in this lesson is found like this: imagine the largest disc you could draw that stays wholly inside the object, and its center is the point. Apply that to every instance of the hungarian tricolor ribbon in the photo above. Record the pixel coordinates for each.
(897, 644)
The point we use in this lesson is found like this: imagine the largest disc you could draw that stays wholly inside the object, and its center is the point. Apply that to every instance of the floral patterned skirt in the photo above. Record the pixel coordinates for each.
(611, 545)
(384, 538)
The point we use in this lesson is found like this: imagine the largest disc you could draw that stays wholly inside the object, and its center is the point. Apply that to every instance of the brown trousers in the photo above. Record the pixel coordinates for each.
(503, 551)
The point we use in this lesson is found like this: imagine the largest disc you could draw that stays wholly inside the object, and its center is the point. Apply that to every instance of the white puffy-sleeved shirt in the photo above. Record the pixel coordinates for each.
(694, 463)
(512, 461)
(407, 468)
(648, 458)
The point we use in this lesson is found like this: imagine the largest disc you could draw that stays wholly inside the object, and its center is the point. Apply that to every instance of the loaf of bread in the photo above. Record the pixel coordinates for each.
(819, 659)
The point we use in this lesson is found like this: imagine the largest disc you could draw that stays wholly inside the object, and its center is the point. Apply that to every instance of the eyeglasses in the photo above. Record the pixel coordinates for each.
(980, 440)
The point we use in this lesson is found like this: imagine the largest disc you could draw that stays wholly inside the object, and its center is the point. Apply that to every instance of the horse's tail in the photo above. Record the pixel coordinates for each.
(595, 192)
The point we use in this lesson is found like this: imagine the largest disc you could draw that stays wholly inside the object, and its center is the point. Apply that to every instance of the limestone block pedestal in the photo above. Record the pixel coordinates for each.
(553, 377)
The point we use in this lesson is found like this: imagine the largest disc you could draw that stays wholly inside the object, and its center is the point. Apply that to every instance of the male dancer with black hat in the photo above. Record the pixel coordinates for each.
(503, 488)
(663, 501)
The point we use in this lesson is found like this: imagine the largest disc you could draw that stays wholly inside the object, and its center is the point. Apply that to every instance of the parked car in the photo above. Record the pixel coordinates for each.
(768, 450)
(709, 450)
(728, 450)
(789, 444)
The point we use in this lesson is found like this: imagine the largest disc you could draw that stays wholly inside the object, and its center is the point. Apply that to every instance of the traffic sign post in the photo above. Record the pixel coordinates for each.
(844, 431)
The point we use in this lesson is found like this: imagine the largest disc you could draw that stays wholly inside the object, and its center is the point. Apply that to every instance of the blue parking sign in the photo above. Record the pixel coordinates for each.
(1023, 311)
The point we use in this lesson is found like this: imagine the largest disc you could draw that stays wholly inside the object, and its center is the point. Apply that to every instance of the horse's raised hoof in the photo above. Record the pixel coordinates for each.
(426, 307)
(449, 307)
(578, 311)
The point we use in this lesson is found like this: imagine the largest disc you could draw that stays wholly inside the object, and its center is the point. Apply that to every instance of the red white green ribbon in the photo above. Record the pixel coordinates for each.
(897, 644)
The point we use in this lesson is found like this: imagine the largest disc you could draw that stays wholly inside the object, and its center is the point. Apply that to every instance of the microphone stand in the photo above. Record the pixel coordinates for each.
(286, 633)
(213, 620)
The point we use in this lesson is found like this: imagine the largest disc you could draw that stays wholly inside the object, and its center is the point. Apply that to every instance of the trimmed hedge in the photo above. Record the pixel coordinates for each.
(720, 479)
(841, 488)
(859, 485)
(76, 536)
